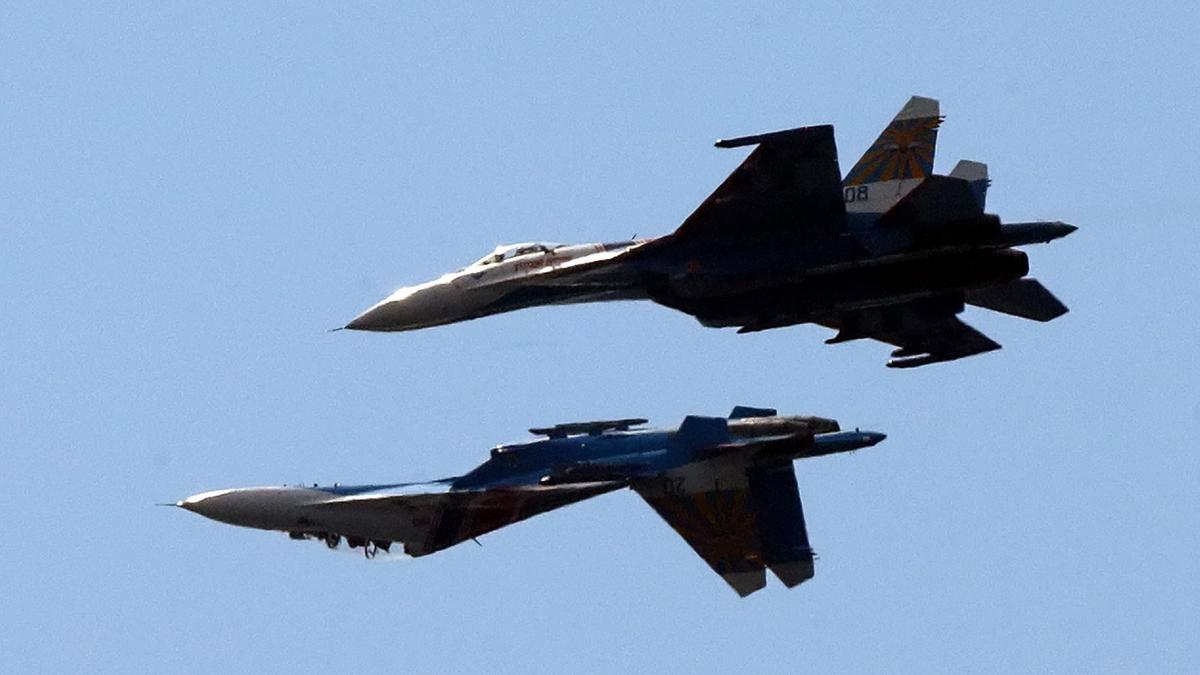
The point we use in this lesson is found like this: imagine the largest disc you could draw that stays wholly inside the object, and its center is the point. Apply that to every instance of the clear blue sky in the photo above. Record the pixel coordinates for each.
(191, 194)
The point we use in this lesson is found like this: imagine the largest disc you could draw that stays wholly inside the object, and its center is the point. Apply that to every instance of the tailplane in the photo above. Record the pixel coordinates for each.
(1026, 298)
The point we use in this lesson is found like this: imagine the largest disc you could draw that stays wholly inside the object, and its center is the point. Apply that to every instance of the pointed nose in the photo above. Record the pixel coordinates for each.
(381, 317)
(267, 508)
(409, 308)
(872, 438)
(249, 507)
(1063, 229)
(213, 504)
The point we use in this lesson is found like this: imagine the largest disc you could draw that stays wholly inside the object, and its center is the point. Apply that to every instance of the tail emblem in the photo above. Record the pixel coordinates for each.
(904, 150)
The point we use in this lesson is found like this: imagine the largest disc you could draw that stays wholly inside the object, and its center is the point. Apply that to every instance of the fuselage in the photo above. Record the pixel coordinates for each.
(496, 283)
(753, 283)
(645, 451)
(794, 280)
(608, 460)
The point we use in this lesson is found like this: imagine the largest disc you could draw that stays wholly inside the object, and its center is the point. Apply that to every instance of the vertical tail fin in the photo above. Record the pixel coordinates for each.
(697, 431)
(897, 161)
(975, 173)
(780, 520)
(744, 411)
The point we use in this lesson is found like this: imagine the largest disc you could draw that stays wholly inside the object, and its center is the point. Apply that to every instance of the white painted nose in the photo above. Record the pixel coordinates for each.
(406, 309)
(384, 316)
(265, 508)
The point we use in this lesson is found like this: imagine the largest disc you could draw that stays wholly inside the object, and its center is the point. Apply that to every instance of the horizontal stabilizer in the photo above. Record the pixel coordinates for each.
(1026, 298)
(924, 332)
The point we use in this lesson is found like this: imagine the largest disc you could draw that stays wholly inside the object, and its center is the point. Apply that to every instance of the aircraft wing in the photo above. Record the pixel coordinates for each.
(740, 519)
(923, 333)
(790, 183)
(432, 521)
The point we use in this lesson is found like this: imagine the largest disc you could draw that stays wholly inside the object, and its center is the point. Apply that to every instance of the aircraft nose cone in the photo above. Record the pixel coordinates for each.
(268, 508)
(212, 504)
(1064, 229)
(874, 437)
(380, 317)
(409, 308)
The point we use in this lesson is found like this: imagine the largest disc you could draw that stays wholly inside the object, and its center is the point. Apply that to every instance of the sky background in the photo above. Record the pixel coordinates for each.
(191, 194)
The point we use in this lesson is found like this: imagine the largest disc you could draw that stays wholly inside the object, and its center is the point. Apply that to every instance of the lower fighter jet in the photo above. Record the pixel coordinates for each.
(726, 485)
(893, 252)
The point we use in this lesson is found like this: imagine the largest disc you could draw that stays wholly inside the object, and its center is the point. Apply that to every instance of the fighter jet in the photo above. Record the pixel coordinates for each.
(892, 253)
(726, 485)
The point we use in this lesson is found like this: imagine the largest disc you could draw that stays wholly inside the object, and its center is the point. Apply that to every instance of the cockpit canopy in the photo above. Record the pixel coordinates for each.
(510, 251)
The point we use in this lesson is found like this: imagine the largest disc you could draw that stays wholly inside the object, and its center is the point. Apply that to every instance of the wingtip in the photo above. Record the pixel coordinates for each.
(799, 134)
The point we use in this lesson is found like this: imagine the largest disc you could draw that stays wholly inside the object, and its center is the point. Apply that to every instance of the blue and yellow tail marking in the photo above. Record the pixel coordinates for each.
(905, 149)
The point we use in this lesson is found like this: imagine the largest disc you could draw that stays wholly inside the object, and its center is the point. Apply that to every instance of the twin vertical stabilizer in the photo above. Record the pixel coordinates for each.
(897, 161)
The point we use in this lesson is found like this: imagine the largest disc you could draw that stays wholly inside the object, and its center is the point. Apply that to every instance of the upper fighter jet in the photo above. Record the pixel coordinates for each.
(892, 252)
(726, 485)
